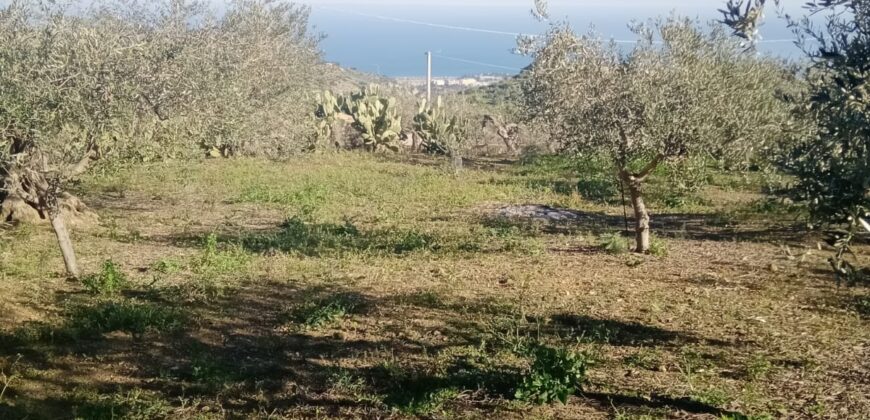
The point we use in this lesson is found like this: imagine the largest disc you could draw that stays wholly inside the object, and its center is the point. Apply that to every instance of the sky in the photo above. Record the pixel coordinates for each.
(390, 37)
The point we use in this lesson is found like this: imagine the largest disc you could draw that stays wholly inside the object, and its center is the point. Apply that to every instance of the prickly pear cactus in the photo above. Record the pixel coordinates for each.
(375, 117)
(439, 133)
(326, 109)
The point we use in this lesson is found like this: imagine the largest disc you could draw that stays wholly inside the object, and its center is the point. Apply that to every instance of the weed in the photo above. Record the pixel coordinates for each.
(555, 375)
(109, 281)
(658, 247)
(645, 358)
(127, 316)
(8, 378)
(412, 241)
(614, 243)
(316, 239)
(429, 403)
(713, 397)
(215, 262)
(208, 370)
(167, 266)
(323, 313)
(758, 367)
(306, 200)
(132, 405)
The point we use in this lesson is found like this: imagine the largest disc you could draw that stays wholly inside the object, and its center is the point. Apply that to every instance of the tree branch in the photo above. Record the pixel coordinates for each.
(649, 167)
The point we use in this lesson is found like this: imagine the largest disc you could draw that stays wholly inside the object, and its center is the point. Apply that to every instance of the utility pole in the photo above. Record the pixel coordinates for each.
(429, 77)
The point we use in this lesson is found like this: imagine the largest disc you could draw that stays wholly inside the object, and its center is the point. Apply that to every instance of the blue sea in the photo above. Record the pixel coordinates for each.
(391, 37)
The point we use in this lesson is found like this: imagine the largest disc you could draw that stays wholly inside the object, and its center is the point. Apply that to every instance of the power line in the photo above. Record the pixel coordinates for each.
(484, 30)
(421, 23)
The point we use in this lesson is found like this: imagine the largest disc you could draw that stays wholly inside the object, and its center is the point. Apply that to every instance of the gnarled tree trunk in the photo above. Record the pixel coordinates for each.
(634, 181)
(507, 132)
(641, 217)
(28, 196)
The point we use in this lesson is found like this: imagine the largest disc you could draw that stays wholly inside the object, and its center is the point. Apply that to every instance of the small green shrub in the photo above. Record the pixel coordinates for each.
(555, 375)
(658, 247)
(131, 405)
(109, 281)
(128, 316)
(215, 262)
(323, 313)
(614, 243)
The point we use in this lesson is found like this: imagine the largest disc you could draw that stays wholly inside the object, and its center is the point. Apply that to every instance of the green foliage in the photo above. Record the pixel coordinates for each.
(128, 316)
(555, 375)
(156, 82)
(108, 281)
(645, 358)
(658, 247)
(440, 133)
(131, 405)
(308, 238)
(376, 118)
(614, 243)
(712, 396)
(665, 101)
(323, 313)
(758, 367)
(833, 163)
(430, 403)
(215, 262)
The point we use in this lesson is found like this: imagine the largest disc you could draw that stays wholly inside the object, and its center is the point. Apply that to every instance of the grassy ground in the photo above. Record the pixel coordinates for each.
(354, 286)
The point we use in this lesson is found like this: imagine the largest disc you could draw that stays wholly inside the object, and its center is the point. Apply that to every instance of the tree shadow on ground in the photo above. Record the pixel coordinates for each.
(248, 352)
(623, 333)
(708, 227)
(317, 239)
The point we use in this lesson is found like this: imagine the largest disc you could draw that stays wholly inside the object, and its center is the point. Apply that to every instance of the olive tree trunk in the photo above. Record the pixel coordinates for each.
(641, 215)
(32, 201)
(66, 246)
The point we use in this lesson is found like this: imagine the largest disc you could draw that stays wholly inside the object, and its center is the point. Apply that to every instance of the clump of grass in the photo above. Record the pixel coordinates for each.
(429, 403)
(713, 396)
(555, 375)
(658, 247)
(127, 316)
(213, 372)
(614, 243)
(758, 367)
(216, 262)
(110, 280)
(645, 358)
(323, 313)
(132, 405)
(167, 266)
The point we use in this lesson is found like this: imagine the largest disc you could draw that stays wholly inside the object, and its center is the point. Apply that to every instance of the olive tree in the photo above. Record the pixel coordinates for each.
(832, 163)
(680, 92)
(65, 85)
(121, 80)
